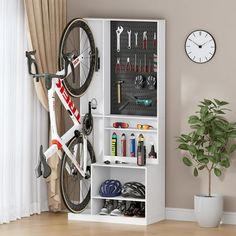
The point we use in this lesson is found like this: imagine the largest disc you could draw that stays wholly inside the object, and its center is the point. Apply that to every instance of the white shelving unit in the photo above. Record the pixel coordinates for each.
(152, 175)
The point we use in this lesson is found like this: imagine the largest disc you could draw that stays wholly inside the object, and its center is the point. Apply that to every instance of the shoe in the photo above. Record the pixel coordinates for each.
(120, 209)
(133, 208)
(107, 208)
(141, 211)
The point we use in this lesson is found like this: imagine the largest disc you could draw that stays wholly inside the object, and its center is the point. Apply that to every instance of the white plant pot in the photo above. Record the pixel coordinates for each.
(208, 210)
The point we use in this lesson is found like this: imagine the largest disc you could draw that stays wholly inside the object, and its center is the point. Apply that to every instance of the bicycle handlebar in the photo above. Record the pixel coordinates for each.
(48, 77)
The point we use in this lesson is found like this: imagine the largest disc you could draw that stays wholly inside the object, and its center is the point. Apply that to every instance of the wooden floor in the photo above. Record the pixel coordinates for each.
(50, 224)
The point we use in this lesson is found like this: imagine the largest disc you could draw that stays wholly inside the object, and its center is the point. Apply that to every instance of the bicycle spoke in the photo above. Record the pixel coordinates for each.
(84, 43)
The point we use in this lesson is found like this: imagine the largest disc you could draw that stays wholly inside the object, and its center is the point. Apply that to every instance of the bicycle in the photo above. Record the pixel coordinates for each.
(78, 59)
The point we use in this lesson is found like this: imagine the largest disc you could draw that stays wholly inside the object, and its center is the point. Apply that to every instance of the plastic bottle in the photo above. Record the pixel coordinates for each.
(141, 151)
(114, 144)
(152, 153)
(123, 145)
(132, 145)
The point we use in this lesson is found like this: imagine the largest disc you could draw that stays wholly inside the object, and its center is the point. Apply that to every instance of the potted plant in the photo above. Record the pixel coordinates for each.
(208, 147)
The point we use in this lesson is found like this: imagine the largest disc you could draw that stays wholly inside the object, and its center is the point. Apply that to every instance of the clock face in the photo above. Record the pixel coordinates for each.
(200, 46)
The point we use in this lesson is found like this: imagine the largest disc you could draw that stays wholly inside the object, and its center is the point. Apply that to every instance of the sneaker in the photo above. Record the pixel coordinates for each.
(141, 211)
(133, 208)
(107, 208)
(120, 209)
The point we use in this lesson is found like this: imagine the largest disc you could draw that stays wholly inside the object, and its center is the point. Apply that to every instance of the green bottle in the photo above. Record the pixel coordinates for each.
(114, 144)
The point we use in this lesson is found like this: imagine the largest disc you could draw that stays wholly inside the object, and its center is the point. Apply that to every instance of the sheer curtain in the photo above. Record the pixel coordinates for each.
(23, 121)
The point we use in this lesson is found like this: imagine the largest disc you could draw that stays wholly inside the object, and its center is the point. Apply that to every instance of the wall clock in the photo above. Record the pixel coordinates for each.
(200, 46)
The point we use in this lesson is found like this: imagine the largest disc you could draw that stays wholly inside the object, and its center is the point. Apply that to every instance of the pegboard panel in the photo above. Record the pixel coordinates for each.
(128, 63)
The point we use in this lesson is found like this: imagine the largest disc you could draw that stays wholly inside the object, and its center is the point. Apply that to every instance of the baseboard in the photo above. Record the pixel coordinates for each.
(181, 214)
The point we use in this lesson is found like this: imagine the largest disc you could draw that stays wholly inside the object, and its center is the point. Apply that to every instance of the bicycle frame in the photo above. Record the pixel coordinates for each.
(58, 142)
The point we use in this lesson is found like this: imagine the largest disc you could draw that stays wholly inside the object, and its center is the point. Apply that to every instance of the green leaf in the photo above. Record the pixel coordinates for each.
(192, 149)
(225, 163)
(200, 131)
(201, 167)
(232, 134)
(207, 102)
(209, 117)
(217, 172)
(204, 161)
(193, 120)
(195, 172)
(220, 103)
(219, 112)
(212, 159)
(186, 137)
(232, 148)
(183, 146)
(187, 162)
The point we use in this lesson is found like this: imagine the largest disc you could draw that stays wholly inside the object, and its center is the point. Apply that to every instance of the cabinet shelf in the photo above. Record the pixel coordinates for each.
(119, 198)
(129, 161)
(132, 130)
(151, 118)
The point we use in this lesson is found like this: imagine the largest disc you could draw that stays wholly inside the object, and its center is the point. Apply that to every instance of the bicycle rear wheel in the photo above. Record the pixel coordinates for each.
(75, 189)
(77, 39)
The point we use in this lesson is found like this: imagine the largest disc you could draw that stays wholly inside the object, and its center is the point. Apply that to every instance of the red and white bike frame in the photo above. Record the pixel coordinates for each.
(57, 142)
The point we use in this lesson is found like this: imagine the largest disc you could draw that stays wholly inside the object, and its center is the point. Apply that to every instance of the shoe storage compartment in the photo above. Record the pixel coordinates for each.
(101, 172)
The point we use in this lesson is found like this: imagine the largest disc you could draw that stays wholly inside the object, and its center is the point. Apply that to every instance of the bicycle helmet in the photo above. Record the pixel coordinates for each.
(133, 189)
(110, 188)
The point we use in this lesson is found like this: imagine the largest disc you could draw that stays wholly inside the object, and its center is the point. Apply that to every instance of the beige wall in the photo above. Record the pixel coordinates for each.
(186, 82)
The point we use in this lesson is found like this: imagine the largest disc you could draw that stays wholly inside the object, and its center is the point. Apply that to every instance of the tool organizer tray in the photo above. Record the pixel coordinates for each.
(142, 57)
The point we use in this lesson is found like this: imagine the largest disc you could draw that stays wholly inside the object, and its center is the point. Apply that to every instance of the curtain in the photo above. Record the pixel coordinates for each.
(23, 122)
(46, 22)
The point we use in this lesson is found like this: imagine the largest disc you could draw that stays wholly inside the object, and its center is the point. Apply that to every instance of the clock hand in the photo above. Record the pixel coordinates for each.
(194, 42)
(206, 42)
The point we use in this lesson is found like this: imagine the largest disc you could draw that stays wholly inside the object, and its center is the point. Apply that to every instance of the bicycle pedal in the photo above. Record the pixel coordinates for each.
(87, 176)
(46, 168)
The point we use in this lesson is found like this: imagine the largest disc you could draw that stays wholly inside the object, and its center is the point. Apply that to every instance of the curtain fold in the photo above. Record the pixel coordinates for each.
(46, 22)
(23, 122)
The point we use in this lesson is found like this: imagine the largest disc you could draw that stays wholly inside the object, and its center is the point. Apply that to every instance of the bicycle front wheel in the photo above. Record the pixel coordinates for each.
(75, 189)
(77, 40)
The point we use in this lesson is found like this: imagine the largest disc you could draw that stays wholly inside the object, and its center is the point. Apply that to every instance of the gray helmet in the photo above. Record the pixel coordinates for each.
(133, 189)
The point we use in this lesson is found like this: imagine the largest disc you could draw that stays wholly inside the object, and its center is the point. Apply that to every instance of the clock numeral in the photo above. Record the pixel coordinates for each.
(200, 33)
(194, 35)
(206, 35)
(188, 46)
(210, 53)
(189, 52)
(212, 46)
(206, 58)
(194, 58)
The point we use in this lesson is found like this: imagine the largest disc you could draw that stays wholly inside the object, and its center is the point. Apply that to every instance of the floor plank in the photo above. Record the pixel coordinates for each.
(56, 224)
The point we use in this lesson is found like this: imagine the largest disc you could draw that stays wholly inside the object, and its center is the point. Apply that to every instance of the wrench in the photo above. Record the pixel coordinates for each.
(129, 39)
(118, 33)
(136, 39)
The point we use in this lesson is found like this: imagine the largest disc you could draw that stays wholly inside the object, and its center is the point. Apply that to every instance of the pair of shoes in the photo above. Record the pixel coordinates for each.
(120, 209)
(135, 209)
(108, 208)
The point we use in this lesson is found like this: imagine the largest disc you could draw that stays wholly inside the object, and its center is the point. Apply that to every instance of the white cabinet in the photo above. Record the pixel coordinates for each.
(152, 175)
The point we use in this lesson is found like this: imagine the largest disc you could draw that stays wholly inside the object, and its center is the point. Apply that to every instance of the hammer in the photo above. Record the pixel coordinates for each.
(119, 82)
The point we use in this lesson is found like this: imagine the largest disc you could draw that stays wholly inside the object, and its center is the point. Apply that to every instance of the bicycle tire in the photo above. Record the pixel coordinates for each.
(75, 205)
(77, 86)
